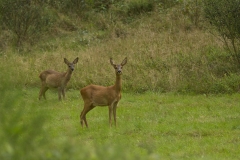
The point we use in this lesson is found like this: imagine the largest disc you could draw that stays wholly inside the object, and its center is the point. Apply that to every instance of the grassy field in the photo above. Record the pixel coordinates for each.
(149, 126)
(180, 88)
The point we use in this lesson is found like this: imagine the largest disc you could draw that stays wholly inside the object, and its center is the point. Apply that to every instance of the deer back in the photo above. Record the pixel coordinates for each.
(100, 95)
(53, 78)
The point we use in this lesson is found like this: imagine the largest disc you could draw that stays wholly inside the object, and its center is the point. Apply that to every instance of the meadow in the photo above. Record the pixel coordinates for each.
(149, 126)
(180, 87)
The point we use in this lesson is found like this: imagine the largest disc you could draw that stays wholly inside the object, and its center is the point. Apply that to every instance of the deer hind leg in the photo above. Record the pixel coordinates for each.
(82, 118)
(63, 93)
(86, 109)
(59, 93)
(45, 92)
(42, 92)
(110, 107)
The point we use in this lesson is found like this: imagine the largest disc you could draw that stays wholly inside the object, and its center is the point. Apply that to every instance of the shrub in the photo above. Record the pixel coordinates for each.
(224, 17)
(23, 18)
(137, 7)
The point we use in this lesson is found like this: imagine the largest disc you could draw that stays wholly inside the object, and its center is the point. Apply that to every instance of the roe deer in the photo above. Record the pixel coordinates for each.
(54, 79)
(94, 95)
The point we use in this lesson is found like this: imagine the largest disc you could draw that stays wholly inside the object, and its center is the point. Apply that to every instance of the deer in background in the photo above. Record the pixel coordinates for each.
(54, 79)
(94, 95)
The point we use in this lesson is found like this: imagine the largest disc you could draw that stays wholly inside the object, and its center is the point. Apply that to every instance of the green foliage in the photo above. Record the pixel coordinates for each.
(203, 72)
(69, 6)
(137, 7)
(81, 6)
(100, 5)
(168, 3)
(23, 18)
(224, 16)
(194, 10)
(20, 129)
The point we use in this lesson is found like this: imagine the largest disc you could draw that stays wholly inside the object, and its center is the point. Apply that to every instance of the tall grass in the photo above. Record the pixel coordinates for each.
(166, 53)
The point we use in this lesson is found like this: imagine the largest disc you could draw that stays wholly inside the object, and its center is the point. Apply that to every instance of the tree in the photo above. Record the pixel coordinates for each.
(224, 15)
(22, 17)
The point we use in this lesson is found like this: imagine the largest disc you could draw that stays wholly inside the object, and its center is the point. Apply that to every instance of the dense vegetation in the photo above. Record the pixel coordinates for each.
(169, 42)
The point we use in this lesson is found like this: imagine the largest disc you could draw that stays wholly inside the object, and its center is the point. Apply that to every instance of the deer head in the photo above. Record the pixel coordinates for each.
(118, 67)
(71, 65)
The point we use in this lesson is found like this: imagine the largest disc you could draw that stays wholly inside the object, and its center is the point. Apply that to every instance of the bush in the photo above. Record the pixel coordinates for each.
(24, 18)
(224, 16)
(21, 137)
(137, 7)
(80, 6)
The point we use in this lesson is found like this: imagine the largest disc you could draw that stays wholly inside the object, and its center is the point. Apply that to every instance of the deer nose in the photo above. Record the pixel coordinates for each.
(119, 71)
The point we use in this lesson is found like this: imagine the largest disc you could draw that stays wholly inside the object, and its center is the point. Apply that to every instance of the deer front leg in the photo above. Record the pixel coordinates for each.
(40, 94)
(115, 112)
(110, 114)
(63, 93)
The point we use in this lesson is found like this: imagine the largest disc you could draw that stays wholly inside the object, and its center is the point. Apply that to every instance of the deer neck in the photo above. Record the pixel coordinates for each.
(118, 83)
(67, 75)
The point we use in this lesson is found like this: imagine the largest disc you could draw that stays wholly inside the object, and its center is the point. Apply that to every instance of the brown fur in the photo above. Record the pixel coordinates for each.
(54, 79)
(94, 95)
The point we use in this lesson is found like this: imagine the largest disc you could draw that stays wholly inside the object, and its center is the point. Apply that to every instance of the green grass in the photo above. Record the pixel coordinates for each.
(149, 126)
(166, 53)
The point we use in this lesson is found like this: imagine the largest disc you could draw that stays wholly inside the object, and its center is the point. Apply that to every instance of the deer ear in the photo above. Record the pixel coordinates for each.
(124, 61)
(75, 61)
(66, 61)
(111, 61)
